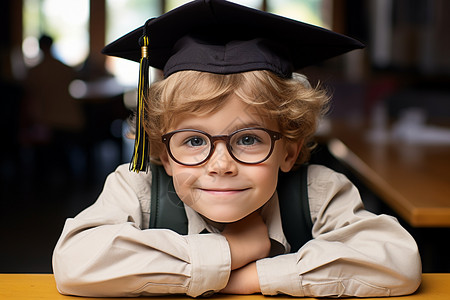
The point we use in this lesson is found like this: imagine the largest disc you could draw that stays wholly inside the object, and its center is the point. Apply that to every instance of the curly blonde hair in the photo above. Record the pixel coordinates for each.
(295, 105)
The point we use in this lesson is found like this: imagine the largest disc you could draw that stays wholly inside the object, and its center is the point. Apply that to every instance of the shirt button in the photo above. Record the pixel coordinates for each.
(208, 293)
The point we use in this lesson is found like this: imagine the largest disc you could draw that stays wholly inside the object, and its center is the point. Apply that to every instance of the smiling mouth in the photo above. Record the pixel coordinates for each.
(223, 191)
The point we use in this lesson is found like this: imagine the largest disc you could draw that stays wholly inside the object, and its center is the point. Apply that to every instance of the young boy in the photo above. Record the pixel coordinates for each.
(228, 117)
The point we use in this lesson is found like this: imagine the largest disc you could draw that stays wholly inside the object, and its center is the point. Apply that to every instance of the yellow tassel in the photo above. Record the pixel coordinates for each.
(140, 159)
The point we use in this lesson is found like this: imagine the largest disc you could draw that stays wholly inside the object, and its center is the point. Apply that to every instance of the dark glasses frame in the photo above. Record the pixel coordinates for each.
(274, 136)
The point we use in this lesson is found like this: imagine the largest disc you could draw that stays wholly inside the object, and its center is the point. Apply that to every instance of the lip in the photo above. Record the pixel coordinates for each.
(223, 191)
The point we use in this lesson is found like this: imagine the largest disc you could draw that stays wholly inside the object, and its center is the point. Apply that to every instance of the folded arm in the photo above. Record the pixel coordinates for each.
(353, 253)
(107, 251)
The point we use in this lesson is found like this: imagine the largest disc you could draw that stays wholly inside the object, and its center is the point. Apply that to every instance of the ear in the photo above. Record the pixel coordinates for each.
(292, 152)
(164, 157)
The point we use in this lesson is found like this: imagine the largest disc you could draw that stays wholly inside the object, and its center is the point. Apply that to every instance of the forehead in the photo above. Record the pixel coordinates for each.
(233, 114)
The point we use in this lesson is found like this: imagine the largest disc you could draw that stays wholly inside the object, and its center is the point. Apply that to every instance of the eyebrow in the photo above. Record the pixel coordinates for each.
(227, 130)
(246, 125)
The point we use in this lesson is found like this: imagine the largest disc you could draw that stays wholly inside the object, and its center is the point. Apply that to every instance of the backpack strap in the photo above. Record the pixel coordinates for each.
(295, 214)
(166, 209)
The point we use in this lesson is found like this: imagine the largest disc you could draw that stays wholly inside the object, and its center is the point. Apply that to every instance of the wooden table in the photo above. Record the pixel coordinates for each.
(42, 286)
(413, 179)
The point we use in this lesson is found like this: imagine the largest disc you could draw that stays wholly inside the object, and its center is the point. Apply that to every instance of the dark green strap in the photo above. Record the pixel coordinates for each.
(166, 209)
(295, 215)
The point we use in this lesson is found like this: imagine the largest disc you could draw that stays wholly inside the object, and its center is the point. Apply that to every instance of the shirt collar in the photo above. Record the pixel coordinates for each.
(270, 213)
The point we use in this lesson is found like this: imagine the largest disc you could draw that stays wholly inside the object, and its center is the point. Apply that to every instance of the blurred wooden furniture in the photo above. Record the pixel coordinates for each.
(42, 286)
(412, 178)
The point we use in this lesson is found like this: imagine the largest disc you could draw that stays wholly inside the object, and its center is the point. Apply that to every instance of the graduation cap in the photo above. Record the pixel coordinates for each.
(221, 37)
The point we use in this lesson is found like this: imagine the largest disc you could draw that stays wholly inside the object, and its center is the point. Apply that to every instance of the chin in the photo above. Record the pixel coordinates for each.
(225, 218)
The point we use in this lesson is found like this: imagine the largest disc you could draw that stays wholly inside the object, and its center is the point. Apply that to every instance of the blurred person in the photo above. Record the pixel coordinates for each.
(52, 121)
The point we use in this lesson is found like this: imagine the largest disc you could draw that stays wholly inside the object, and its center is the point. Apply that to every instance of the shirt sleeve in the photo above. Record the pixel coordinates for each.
(353, 252)
(108, 250)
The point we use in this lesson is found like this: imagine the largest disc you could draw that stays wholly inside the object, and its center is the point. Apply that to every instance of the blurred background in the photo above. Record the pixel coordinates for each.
(65, 106)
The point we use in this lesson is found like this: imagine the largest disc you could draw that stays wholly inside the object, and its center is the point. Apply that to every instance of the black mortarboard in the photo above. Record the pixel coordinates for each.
(222, 37)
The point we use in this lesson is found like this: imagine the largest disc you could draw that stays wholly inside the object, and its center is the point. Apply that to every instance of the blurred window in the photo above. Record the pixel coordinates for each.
(316, 12)
(66, 21)
(123, 16)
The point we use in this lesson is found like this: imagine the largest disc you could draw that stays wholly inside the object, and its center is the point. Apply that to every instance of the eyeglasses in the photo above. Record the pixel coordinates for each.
(191, 147)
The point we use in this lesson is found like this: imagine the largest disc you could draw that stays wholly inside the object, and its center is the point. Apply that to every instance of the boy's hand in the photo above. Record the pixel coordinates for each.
(248, 239)
(243, 281)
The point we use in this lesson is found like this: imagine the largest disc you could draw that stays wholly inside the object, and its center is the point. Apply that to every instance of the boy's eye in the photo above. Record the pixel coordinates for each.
(195, 141)
(248, 140)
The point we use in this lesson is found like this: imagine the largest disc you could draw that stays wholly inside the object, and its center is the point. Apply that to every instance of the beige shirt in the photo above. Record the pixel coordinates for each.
(107, 250)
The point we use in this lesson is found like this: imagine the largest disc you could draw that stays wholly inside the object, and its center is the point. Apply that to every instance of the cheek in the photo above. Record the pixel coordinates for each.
(265, 178)
(268, 180)
(183, 182)
(268, 176)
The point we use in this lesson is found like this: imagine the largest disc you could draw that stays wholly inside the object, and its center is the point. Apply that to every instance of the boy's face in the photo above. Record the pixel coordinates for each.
(222, 189)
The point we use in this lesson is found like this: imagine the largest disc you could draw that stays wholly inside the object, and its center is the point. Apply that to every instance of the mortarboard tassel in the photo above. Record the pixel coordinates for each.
(140, 159)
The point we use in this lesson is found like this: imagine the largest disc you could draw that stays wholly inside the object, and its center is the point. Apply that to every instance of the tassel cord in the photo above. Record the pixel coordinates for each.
(140, 159)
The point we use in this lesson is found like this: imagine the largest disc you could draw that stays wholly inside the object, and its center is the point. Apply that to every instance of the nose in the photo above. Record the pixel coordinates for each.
(221, 163)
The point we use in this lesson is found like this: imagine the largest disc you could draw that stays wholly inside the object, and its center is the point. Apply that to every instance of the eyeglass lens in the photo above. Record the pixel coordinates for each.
(193, 147)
